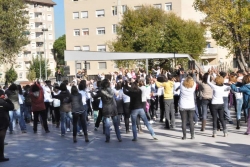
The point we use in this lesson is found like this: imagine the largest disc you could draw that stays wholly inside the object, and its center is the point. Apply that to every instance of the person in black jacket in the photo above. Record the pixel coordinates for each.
(109, 109)
(5, 106)
(136, 108)
(79, 111)
(58, 76)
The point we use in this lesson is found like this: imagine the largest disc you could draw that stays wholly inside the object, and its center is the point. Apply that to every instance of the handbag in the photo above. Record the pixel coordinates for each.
(56, 103)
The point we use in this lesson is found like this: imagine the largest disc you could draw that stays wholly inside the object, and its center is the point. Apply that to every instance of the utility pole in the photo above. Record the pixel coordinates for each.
(45, 55)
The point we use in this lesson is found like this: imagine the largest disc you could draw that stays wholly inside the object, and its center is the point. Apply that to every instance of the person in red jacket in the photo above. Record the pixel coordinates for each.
(38, 106)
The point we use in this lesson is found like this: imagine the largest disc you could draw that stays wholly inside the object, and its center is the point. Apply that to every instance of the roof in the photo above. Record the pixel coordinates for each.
(49, 2)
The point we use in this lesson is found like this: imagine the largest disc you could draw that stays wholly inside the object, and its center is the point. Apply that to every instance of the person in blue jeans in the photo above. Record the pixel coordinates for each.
(109, 109)
(136, 107)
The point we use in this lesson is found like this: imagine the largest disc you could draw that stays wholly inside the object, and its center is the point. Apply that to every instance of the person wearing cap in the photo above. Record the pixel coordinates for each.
(5, 106)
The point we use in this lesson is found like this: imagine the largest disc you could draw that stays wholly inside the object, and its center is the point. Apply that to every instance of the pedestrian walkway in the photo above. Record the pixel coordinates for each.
(52, 150)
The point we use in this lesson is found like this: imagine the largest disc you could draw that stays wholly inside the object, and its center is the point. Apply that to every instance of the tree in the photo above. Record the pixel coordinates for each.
(58, 49)
(13, 29)
(229, 23)
(10, 75)
(152, 30)
(35, 65)
(31, 75)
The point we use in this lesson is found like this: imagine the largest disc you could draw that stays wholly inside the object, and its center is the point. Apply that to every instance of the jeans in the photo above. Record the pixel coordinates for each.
(43, 115)
(134, 115)
(169, 109)
(107, 127)
(239, 103)
(64, 116)
(217, 109)
(206, 103)
(27, 114)
(16, 114)
(226, 111)
(187, 114)
(176, 103)
(83, 122)
(162, 107)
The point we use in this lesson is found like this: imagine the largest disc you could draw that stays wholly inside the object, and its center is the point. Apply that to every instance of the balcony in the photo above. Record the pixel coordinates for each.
(27, 48)
(210, 53)
(26, 59)
(39, 39)
(38, 19)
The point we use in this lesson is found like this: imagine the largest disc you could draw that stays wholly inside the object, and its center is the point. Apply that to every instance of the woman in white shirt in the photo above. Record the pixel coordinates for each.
(217, 103)
(187, 104)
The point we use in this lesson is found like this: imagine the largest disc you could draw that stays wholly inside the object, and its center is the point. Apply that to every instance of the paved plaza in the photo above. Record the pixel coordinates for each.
(52, 150)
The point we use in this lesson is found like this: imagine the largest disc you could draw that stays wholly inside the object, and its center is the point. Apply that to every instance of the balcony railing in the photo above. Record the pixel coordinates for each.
(210, 51)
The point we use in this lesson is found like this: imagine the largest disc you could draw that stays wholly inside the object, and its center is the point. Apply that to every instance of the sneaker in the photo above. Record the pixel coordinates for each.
(24, 131)
(154, 137)
(68, 130)
(11, 132)
(134, 139)
(5, 143)
(151, 122)
(110, 128)
(62, 135)
(230, 122)
(196, 124)
(80, 134)
(47, 131)
(96, 128)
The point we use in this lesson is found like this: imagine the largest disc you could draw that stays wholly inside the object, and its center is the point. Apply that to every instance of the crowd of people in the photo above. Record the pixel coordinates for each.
(130, 95)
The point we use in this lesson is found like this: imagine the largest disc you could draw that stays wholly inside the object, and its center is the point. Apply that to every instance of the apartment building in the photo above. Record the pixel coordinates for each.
(41, 34)
(90, 24)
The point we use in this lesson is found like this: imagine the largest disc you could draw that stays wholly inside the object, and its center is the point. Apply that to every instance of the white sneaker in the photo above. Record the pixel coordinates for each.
(68, 130)
(196, 124)
(151, 122)
(80, 134)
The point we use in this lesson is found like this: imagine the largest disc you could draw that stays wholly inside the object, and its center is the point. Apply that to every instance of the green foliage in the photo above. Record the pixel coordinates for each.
(35, 65)
(58, 48)
(31, 75)
(13, 25)
(152, 30)
(10, 75)
(229, 22)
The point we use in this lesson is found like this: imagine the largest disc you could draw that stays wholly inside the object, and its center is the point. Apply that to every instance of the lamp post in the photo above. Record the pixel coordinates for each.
(45, 55)
(40, 59)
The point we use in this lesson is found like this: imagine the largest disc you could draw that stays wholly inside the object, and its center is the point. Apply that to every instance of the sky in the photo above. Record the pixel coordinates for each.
(59, 18)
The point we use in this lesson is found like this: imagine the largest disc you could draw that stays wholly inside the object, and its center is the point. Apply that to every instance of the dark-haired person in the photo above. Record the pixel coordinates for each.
(65, 99)
(206, 93)
(168, 86)
(245, 89)
(58, 76)
(48, 100)
(12, 94)
(109, 109)
(218, 103)
(176, 94)
(225, 97)
(136, 107)
(5, 106)
(38, 106)
(22, 108)
(27, 103)
(187, 104)
(119, 102)
(56, 91)
(79, 112)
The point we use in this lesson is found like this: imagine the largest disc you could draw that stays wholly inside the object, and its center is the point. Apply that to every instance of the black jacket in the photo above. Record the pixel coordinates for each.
(58, 76)
(63, 96)
(135, 98)
(76, 103)
(108, 102)
(5, 107)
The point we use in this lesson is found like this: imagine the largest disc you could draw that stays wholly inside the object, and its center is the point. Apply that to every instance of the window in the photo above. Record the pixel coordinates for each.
(19, 65)
(74, 0)
(76, 32)
(50, 46)
(75, 15)
(168, 6)
(85, 31)
(77, 48)
(19, 55)
(50, 36)
(124, 8)
(158, 6)
(102, 65)
(114, 10)
(51, 65)
(114, 28)
(33, 45)
(100, 13)
(49, 18)
(101, 48)
(88, 66)
(20, 75)
(79, 66)
(50, 27)
(32, 25)
(137, 7)
(100, 30)
(31, 15)
(49, 8)
(85, 48)
(84, 14)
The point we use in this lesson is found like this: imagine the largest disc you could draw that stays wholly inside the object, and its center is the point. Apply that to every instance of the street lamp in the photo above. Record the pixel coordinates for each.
(45, 55)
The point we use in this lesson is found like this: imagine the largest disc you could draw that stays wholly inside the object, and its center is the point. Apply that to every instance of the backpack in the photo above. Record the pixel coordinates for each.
(27, 100)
